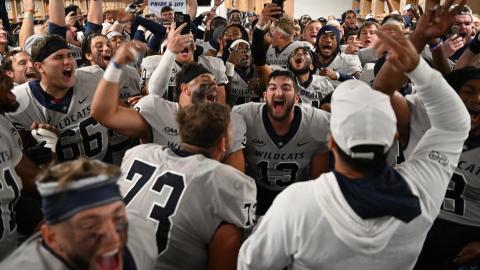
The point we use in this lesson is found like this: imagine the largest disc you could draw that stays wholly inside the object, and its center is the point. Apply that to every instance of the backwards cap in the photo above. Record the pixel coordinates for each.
(361, 116)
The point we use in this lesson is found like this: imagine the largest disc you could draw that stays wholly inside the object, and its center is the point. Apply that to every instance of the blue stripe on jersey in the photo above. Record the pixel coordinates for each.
(384, 194)
(48, 101)
(281, 141)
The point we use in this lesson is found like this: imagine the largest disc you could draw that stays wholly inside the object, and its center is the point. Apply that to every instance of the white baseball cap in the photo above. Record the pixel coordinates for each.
(361, 116)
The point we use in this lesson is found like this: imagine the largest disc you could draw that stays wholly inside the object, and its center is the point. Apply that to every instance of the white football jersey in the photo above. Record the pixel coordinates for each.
(240, 91)
(129, 87)
(10, 185)
(276, 162)
(187, 197)
(161, 115)
(346, 64)
(80, 134)
(314, 90)
(277, 57)
(213, 64)
(462, 199)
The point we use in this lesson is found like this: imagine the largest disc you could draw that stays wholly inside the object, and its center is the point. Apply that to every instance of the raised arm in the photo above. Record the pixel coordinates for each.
(471, 56)
(56, 12)
(95, 12)
(105, 107)
(176, 42)
(27, 24)
(192, 7)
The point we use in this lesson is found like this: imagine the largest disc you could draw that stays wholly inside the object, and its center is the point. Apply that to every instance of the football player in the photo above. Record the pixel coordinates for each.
(16, 170)
(153, 119)
(86, 224)
(198, 205)
(286, 143)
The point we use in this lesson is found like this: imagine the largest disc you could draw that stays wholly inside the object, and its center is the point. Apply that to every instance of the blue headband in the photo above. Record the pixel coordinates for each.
(59, 204)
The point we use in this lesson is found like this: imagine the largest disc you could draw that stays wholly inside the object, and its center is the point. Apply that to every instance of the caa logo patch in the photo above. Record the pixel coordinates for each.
(258, 142)
(171, 131)
(439, 157)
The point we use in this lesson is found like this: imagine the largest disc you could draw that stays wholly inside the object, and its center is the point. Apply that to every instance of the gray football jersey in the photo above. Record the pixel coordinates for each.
(317, 89)
(186, 197)
(34, 254)
(10, 185)
(161, 115)
(280, 58)
(275, 163)
(462, 199)
(240, 92)
(213, 64)
(80, 134)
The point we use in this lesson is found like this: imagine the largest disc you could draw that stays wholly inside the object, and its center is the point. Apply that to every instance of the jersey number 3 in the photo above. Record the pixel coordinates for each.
(168, 188)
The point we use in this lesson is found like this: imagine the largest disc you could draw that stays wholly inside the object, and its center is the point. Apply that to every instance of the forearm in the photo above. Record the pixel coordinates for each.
(158, 83)
(258, 48)
(152, 26)
(440, 62)
(105, 101)
(95, 12)
(468, 59)
(443, 105)
(26, 30)
(192, 8)
(56, 12)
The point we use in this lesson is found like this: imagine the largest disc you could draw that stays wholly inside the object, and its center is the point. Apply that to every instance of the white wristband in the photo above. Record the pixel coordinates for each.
(45, 135)
(230, 69)
(112, 73)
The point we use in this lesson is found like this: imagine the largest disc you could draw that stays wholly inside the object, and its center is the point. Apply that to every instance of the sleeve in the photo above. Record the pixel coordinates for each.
(92, 28)
(151, 26)
(219, 70)
(320, 128)
(272, 244)
(158, 83)
(147, 107)
(234, 197)
(258, 48)
(239, 133)
(436, 155)
(54, 29)
(354, 64)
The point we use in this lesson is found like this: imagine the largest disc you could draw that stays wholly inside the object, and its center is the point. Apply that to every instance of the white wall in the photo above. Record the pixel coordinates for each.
(321, 8)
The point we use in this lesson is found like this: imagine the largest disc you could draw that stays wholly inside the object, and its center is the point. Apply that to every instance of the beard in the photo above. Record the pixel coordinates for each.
(8, 107)
(200, 94)
(282, 117)
(300, 71)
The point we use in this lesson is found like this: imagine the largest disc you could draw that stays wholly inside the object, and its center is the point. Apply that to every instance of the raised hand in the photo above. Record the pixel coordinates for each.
(177, 42)
(129, 52)
(268, 13)
(436, 21)
(401, 53)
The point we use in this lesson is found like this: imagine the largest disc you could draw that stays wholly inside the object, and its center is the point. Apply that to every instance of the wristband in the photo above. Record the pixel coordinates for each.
(230, 69)
(475, 44)
(262, 28)
(45, 135)
(113, 73)
(338, 75)
(28, 15)
(436, 46)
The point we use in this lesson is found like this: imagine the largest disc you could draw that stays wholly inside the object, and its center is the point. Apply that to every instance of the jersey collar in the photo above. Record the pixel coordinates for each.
(281, 141)
(60, 105)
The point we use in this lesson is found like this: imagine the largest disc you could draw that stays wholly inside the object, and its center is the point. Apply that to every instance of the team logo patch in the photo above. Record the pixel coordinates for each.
(171, 131)
(258, 142)
(439, 157)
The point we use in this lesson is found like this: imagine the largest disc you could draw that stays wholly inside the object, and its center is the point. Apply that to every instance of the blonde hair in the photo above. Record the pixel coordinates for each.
(80, 168)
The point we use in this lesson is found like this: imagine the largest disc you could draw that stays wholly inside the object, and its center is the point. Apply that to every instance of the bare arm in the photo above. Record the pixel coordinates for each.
(391, 8)
(192, 7)
(27, 24)
(56, 11)
(95, 12)
(106, 109)
(224, 246)
(469, 57)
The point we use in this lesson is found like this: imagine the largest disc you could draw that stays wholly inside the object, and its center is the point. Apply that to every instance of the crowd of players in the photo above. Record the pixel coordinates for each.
(139, 142)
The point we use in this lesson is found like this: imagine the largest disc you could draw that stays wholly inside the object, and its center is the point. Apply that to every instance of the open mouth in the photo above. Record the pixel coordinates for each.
(30, 74)
(184, 53)
(68, 72)
(474, 115)
(278, 105)
(463, 35)
(327, 48)
(107, 58)
(109, 260)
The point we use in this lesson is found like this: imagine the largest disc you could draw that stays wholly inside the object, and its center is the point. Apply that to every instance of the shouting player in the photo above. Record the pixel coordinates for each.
(286, 143)
(198, 205)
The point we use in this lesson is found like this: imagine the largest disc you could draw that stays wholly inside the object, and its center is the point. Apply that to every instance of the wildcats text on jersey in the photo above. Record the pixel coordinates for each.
(279, 156)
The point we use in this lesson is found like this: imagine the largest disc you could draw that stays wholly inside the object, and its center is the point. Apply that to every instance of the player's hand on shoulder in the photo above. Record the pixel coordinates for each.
(129, 52)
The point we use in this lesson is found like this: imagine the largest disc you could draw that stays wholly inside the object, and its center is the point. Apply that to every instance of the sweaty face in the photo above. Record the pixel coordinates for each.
(95, 238)
(470, 95)
(280, 98)
(310, 32)
(101, 51)
(327, 45)
(465, 27)
(23, 70)
(203, 89)
(300, 61)
(8, 100)
(58, 69)
(368, 37)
